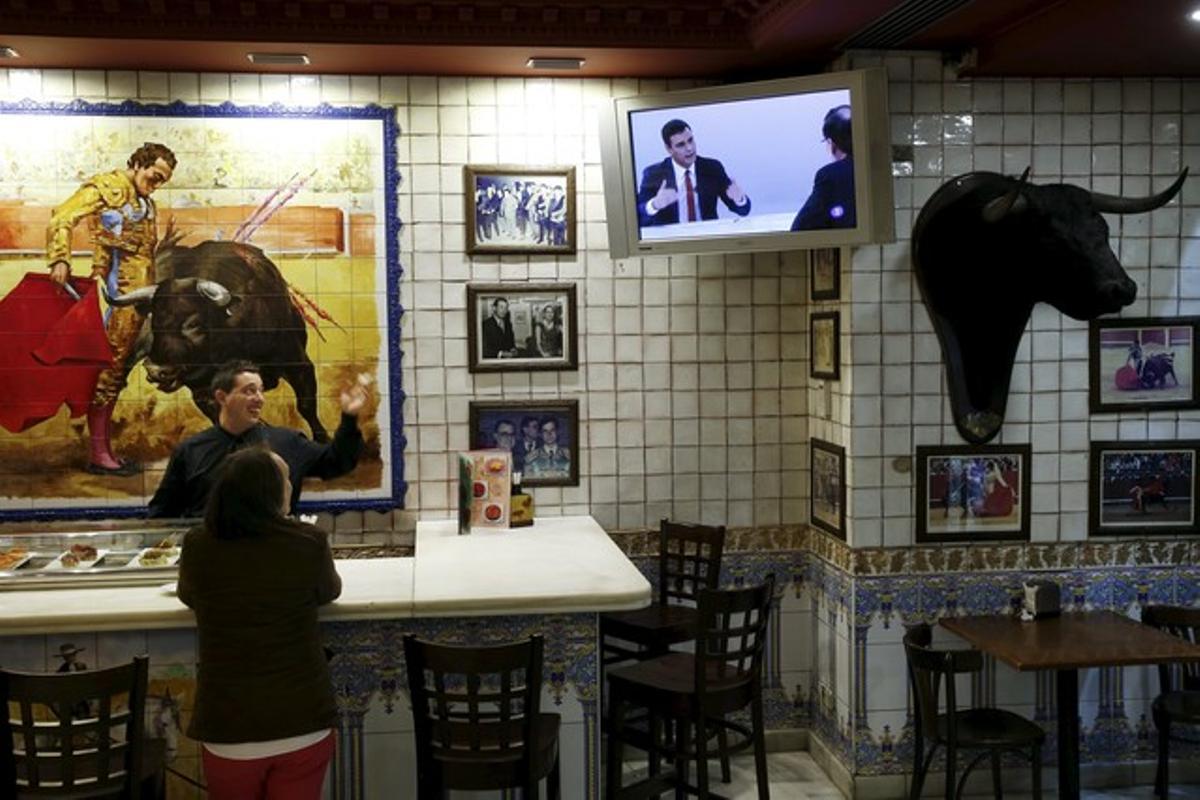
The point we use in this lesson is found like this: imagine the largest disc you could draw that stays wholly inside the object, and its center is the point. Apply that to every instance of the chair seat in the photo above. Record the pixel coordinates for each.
(669, 683)
(488, 767)
(1181, 706)
(654, 625)
(992, 727)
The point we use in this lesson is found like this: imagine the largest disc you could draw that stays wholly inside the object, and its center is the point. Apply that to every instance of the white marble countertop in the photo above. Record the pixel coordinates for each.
(558, 565)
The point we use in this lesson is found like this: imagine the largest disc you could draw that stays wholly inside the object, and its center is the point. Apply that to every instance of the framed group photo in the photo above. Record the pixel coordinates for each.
(973, 493)
(1142, 488)
(824, 345)
(1142, 364)
(827, 490)
(825, 273)
(519, 210)
(543, 437)
(517, 327)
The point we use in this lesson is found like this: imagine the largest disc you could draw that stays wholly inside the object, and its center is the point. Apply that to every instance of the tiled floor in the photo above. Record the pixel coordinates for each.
(795, 776)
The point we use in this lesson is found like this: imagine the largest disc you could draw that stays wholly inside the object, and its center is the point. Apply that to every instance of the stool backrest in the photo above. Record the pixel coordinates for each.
(1184, 622)
(472, 704)
(689, 560)
(73, 733)
(929, 671)
(733, 630)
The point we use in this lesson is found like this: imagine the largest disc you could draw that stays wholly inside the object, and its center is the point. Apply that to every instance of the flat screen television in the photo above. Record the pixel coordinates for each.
(786, 164)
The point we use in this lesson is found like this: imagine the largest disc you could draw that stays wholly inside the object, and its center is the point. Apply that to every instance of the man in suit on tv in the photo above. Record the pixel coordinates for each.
(831, 203)
(684, 187)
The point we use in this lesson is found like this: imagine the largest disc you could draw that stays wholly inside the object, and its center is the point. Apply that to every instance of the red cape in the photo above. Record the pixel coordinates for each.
(52, 348)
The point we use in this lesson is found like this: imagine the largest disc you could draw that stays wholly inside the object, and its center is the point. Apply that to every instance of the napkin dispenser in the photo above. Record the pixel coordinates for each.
(1042, 599)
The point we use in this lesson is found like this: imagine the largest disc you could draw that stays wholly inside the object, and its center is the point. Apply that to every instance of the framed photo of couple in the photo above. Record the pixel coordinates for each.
(521, 327)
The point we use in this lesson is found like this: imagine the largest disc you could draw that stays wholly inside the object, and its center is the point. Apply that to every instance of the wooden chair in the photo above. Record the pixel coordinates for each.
(698, 692)
(1178, 701)
(71, 736)
(477, 718)
(991, 730)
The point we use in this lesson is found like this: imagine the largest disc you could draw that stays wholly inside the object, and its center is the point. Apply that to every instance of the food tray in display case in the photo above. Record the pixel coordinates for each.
(154, 557)
(78, 556)
(13, 558)
(63, 555)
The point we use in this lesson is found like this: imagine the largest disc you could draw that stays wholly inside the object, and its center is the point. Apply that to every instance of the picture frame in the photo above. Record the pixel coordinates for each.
(522, 327)
(1139, 488)
(825, 273)
(825, 345)
(827, 487)
(503, 216)
(1143, 364)
(490, 422)
(973, 493)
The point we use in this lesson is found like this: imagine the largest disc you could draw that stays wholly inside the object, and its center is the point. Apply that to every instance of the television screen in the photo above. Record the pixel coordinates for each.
(796, 163)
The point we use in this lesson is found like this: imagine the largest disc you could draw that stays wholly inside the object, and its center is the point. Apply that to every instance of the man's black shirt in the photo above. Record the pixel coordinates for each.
(192, 470)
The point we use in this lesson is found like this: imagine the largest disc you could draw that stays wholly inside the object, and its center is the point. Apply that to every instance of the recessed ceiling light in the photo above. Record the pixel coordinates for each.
(554, 62)
(8, 52)
(292, 59)
(1195, 15)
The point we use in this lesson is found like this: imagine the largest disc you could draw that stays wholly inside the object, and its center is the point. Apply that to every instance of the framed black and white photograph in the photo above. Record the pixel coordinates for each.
(1142, 488)
(824, 345)
(972, 493)
(543, 437)
(828, 487)
(1142, 364)
(825, 273)
(514, 209)
(521, 327)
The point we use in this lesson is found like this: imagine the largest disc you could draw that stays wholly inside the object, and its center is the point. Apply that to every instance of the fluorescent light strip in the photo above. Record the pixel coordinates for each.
(293, 59)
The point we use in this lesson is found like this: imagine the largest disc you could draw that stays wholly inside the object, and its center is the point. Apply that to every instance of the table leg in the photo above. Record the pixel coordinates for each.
(1068, 734)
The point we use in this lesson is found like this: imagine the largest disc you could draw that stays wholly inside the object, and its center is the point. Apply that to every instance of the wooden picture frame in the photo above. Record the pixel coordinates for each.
(1143, 364)
(492, 422)
(522, 327)
(827, 487)
(513, 209)
(1141, 488)
(973, 493)
(825, 345)
(825, 273)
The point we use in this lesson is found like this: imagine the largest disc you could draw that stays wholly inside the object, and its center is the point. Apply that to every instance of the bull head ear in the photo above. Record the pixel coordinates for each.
(1013, 202)
(1114, 204)
(215, 292)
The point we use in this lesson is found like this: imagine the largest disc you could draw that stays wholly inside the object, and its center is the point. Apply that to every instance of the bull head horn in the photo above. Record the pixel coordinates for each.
(1012, 201)
(215, 292)
(138, 296)
(1114, 204)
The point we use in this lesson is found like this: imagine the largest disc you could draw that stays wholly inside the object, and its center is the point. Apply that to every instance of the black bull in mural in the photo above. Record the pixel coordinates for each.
(986, 248)
(217, 301)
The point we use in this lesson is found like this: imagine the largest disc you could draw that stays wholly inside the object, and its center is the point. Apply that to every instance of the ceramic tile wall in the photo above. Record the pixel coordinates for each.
(693, 371)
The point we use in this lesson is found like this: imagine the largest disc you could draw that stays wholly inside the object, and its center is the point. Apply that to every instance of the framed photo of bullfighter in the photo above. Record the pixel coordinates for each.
(143, 246)
(519, 210)
(973, 493)
(828, 487)
(1143, 488)
(1142, 364)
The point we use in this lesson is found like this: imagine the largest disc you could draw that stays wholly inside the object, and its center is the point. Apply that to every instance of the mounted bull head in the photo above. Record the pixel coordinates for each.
(986, 248)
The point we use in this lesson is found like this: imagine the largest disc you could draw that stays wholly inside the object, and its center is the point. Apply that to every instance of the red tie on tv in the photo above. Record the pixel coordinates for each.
(691, 195)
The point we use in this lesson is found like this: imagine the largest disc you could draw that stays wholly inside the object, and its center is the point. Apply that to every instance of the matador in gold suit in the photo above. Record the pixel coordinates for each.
(122, 225)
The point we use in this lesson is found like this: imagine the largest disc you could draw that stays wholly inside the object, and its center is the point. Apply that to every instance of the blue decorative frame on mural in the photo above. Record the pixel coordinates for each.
(392, 224)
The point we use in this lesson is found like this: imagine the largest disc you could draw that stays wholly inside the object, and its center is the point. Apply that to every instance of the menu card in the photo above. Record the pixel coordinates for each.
(484, 489)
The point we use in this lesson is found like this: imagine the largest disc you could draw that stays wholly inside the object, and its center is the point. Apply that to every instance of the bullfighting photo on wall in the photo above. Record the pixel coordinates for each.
(1143, 488)
(144, 246)
(1142, 363)
(973, 493)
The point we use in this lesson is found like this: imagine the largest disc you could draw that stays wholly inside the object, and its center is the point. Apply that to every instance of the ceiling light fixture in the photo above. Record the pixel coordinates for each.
(554, 62)
(8, 52)
(276, 59)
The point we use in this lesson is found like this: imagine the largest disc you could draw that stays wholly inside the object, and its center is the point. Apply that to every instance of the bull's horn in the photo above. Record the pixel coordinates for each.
(142, 295)
(1113, 204)
(1013, 200)
(214, 292)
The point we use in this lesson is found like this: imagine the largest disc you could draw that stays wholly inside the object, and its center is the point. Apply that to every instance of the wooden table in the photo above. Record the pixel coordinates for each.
(1067, 644)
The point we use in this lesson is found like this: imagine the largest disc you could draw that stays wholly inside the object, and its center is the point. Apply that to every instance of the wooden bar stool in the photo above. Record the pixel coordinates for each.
(477, 718)
(697, 692)
(73, 737)
(1178, 702)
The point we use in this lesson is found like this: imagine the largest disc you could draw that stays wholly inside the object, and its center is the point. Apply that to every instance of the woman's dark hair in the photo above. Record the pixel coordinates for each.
(246, 496)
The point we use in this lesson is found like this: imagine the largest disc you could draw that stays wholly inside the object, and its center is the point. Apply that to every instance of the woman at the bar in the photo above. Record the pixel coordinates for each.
(265, 707)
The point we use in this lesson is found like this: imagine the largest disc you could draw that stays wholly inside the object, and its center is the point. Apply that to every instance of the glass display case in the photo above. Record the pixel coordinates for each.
(62, 555)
